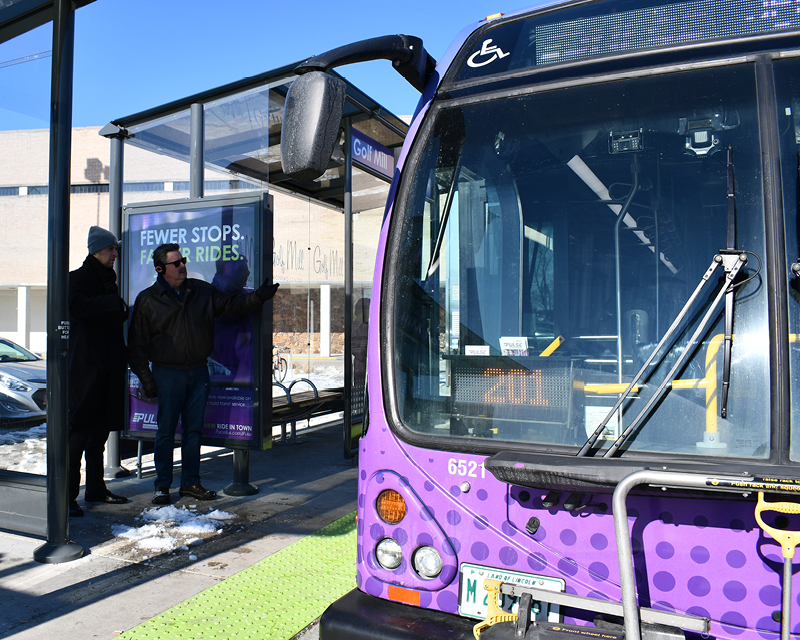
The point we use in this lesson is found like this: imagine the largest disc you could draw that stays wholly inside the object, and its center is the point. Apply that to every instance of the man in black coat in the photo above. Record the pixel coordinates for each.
(98, 364)
(173, 327)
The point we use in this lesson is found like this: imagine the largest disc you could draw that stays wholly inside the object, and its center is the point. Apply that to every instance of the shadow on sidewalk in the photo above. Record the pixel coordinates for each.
(301, 488)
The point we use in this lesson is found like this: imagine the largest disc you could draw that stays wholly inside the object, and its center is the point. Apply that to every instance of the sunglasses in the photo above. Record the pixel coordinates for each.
(176, 263)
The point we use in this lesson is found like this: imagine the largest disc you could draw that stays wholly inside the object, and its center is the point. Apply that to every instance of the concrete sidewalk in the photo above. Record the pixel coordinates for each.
(114, 587)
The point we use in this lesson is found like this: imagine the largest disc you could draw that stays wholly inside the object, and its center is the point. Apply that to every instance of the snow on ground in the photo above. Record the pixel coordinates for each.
(24, 450)
(166, 529)
(323, 377)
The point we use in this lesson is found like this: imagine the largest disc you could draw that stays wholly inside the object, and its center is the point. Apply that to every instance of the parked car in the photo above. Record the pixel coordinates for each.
(23, 386)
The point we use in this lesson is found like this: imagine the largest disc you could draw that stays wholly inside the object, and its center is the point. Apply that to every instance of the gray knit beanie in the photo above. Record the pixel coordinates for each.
(99, 239)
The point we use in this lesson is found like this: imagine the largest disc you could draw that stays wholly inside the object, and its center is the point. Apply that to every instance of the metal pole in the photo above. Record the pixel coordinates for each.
(348, 292)
(241, 475)
(786, 600)
(196, 152)
(114, 468)
(58, 547)
(630, 606)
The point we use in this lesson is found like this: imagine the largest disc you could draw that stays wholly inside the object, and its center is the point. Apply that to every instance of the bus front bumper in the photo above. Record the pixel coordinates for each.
(359, 616)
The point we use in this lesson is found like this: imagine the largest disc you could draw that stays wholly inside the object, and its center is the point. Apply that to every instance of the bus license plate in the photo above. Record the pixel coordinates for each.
(473, 599)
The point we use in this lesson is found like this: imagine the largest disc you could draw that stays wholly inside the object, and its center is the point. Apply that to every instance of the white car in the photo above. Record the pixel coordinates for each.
(23, 386)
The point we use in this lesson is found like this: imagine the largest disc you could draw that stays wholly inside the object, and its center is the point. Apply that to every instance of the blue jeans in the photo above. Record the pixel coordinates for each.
(181, 394)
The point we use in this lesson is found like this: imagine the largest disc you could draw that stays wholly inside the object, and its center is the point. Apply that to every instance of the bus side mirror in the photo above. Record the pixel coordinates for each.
(312, 117)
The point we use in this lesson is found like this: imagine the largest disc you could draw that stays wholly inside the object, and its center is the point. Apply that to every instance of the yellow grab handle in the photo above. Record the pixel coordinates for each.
(555, 344)
(495, 614)
(788, 539)
(610, 388)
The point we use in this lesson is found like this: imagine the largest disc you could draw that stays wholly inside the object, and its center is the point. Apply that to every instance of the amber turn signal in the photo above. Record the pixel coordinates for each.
(391, 506)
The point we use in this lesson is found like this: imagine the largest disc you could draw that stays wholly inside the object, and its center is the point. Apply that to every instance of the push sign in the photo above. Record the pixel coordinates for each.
(371, 154)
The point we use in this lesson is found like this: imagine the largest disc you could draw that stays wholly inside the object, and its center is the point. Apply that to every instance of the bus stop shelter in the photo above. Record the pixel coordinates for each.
(231, 131)
(234, 132)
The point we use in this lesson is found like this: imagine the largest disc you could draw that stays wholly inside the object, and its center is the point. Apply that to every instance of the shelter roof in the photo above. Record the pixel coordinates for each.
(243, 122)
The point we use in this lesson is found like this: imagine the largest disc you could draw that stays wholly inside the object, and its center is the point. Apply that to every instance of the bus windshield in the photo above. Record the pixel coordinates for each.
(548, 241)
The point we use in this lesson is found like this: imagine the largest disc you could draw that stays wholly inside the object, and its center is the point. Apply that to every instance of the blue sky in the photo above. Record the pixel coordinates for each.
(131, 56)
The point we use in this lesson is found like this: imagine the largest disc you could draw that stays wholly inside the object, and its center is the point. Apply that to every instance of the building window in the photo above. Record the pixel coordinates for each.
(216, 185)
(143, 186)
(88, 188)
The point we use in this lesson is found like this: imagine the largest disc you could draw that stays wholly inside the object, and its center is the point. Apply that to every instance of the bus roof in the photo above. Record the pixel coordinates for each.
(539, 35)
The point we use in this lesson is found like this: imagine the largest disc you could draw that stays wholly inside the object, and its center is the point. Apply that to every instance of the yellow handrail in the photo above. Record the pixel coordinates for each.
(707, 382)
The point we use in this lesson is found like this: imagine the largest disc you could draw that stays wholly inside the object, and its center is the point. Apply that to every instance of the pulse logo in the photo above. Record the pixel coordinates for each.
(148, 420)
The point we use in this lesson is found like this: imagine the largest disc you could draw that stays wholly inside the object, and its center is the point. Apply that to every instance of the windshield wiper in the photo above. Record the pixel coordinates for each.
(726, 363)
(732, 261)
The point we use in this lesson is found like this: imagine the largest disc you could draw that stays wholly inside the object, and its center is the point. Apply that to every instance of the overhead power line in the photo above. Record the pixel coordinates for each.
(30, 58)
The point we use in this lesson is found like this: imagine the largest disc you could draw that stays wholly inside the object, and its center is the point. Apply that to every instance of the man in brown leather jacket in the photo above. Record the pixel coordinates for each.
(173, 327)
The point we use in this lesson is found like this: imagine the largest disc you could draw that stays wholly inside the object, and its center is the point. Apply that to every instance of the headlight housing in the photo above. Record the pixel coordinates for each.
(427, 562)
(14, 384)
(389, 554)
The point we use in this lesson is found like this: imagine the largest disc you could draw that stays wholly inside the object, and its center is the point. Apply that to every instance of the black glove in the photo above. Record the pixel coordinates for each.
(266, 290)
(150, 389)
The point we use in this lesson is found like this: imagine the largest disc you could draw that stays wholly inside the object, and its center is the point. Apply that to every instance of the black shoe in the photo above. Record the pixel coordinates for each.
(108, 498)
(197, 491)
(75, 510)
(161, 496)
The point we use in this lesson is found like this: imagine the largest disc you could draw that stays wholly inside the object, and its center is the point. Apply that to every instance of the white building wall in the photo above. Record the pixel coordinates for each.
(308, 238)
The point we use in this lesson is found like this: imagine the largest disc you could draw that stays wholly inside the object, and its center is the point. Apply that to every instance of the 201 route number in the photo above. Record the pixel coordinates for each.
(465, 468)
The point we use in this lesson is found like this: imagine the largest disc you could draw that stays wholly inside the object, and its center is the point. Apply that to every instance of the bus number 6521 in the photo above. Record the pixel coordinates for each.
(465, 468)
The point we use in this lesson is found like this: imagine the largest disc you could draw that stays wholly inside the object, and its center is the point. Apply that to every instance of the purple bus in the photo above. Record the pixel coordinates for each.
(583, 380)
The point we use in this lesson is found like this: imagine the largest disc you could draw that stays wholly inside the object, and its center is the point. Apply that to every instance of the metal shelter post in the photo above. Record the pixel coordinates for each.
(348, 291)
(241, 458)
(58, 547)
(196, 144)
(114, 468)
(241, 475)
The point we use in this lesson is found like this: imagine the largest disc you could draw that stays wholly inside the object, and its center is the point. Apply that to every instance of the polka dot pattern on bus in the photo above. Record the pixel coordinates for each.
(482, 522)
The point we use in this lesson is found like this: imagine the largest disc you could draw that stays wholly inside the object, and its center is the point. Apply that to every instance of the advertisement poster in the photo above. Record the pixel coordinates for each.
(221, 246)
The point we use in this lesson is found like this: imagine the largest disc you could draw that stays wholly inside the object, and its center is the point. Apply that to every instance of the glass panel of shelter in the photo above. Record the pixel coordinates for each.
(242, 132)
(368, 203)
(25, 65)
(369, 194)
(155, 160)
(242, 151)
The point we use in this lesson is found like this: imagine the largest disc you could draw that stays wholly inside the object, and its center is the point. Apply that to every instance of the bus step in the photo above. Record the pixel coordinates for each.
(525, 627)
(549, 631)
(555, 631)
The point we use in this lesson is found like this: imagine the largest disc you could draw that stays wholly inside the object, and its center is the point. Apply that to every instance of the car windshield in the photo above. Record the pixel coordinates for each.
(10, 352)
(549, 241)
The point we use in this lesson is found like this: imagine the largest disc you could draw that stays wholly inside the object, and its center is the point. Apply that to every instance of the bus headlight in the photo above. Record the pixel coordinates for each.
(427, 562)
(389, 554)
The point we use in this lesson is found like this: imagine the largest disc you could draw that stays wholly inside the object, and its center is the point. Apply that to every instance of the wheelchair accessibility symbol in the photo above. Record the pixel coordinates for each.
(486, 54)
